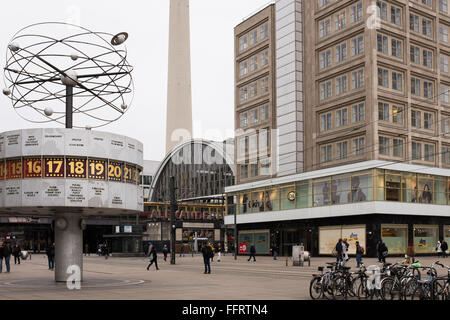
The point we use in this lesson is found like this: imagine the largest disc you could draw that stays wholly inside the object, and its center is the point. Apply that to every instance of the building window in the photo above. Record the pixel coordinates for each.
(325, 90)
(383, 77)
(244, 171)
(358, 113)
(325, 59)
(446, 155)
(397, 81)
(445, 124)
(339, 20)
(243, 68)
(443, 6)
(254, 116)
(383, 145)
(428, 89)
(426, 27)
(254, 63)
(243, 43)
(340, 52)
(265, 167)
(443, 63)
(443, 33)
(358, 146)
(396, 15)
(358, 79)
(413, 22)
(397, 115)
(429, 152)
(382, 44)
(341, 152)
(264, 112)
(265, 58)
(265, 85)
(356, 12)
(253, 37)
(416, 120)
(398, 148)
(396, 48)
(243, 120)
(428, 58)
(325, 122)
(341, 85)
(415, 86)
(341, 118)
(428, 121)
(357, 45)
(415, 54)
(326, 153)
(444, 94)
(253, 90)
(244, 94)
(264, 31)
(382, 10)
(383, 111)
(416, 151)
(324, 28)
(254, 170)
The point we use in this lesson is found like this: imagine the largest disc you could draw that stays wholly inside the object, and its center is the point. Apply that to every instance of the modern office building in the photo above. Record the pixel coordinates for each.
(361, 125)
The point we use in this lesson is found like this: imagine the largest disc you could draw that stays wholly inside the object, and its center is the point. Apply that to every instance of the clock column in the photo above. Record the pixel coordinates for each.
(68, 246)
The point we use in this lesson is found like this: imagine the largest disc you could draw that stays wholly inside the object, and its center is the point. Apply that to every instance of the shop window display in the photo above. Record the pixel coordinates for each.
(395, 237)
(425, 239)
(322, 193)
(340, 186)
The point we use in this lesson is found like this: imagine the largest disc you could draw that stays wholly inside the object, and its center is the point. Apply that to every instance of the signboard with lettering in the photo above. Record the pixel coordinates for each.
(31, 192)
(32, 168)
(53, 192)
(98, 193)
(13, 169)
(130, 174)
(31, 142)
(13, 144)
(54, 167)
(76, 168)
(76, 193)
(53, 141)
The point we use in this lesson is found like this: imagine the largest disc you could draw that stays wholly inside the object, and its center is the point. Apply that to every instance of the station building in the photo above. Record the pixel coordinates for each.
(343, 122)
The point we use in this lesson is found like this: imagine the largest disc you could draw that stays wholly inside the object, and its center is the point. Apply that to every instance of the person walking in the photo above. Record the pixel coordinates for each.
(438, 248)
(153, 258)
(165, 252)
(444, 248)
(382, 251)
(17, 252)
(7, 256)
(182, 251)
(338, 251)
(252, 253)
(206, 252)
(275, 252)
(105, 251)
(50, 251)
(219, 252)
(359, 253)
(345, 246)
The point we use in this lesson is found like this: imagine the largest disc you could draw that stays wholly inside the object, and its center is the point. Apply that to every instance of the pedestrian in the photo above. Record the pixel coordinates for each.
(444, 248)
(105, 251)
(439, 248)
(382, 251)
(99, 250)
(212, 251)
(338, 251)
(219, 252)
(359, 253)
(206, 251)
(182, 251)
(1, 256)
(5, 253)
(275, 252)
(252, 253)
(17, 253)
(165, 252)
(153, 257)
(86, 250)
(50, 251)
(345, 246)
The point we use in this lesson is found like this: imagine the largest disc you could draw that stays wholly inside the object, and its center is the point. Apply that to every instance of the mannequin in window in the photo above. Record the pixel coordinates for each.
(414, 195)
(244, 203)
(335, 197)
(426, 196)
(356, 195)
(326, 194)
(268, 202)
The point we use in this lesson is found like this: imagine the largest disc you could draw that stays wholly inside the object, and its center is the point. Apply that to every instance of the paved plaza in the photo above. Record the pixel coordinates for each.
(127, 278)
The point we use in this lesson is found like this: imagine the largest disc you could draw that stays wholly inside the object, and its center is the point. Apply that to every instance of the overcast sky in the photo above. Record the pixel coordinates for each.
(147, 22)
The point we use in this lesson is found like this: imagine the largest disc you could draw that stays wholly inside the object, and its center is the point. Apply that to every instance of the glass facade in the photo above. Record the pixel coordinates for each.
(447, 234)
(329, 236)
(395, 237)
(259, 238)
(425, 238)
(369, 185)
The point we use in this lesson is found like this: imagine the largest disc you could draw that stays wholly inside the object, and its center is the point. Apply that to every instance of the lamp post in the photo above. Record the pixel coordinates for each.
(173, 209)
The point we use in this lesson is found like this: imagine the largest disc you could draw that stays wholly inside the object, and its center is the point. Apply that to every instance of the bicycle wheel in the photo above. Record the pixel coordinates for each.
(315, 288)
(445, 293)
(390, 289)
(418, 293)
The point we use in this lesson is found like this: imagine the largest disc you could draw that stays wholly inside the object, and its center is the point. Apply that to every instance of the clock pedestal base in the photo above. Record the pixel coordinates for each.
(68, 248)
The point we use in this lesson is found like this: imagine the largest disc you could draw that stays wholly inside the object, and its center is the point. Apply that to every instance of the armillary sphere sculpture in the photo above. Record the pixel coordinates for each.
(68, 74)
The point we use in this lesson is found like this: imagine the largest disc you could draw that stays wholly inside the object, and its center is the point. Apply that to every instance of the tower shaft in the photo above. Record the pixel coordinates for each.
(179, 97)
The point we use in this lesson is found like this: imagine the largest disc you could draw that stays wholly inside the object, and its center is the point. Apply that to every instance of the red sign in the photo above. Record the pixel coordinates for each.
(32, 168)
(243, 248)
(14, 169)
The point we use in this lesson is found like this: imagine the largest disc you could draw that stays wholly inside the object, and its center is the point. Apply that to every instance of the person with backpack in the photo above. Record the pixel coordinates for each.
(444, 248)
(50, 251)
(359, 253)
(153, 258)
(206, 252)
(439, 248)
(252, 253)
(337, 252)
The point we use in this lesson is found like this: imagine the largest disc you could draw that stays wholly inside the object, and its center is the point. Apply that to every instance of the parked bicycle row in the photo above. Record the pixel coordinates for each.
(386, 281)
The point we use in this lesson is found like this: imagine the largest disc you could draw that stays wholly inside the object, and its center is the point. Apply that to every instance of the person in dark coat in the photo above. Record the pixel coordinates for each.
(16, 253)
(382, 251)
(165, 252)
(153, 258)
(207, 253)
(50, 251)
(105, 251)
(444, 248)
(339, 251)
(252, 253)
(5, 253)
